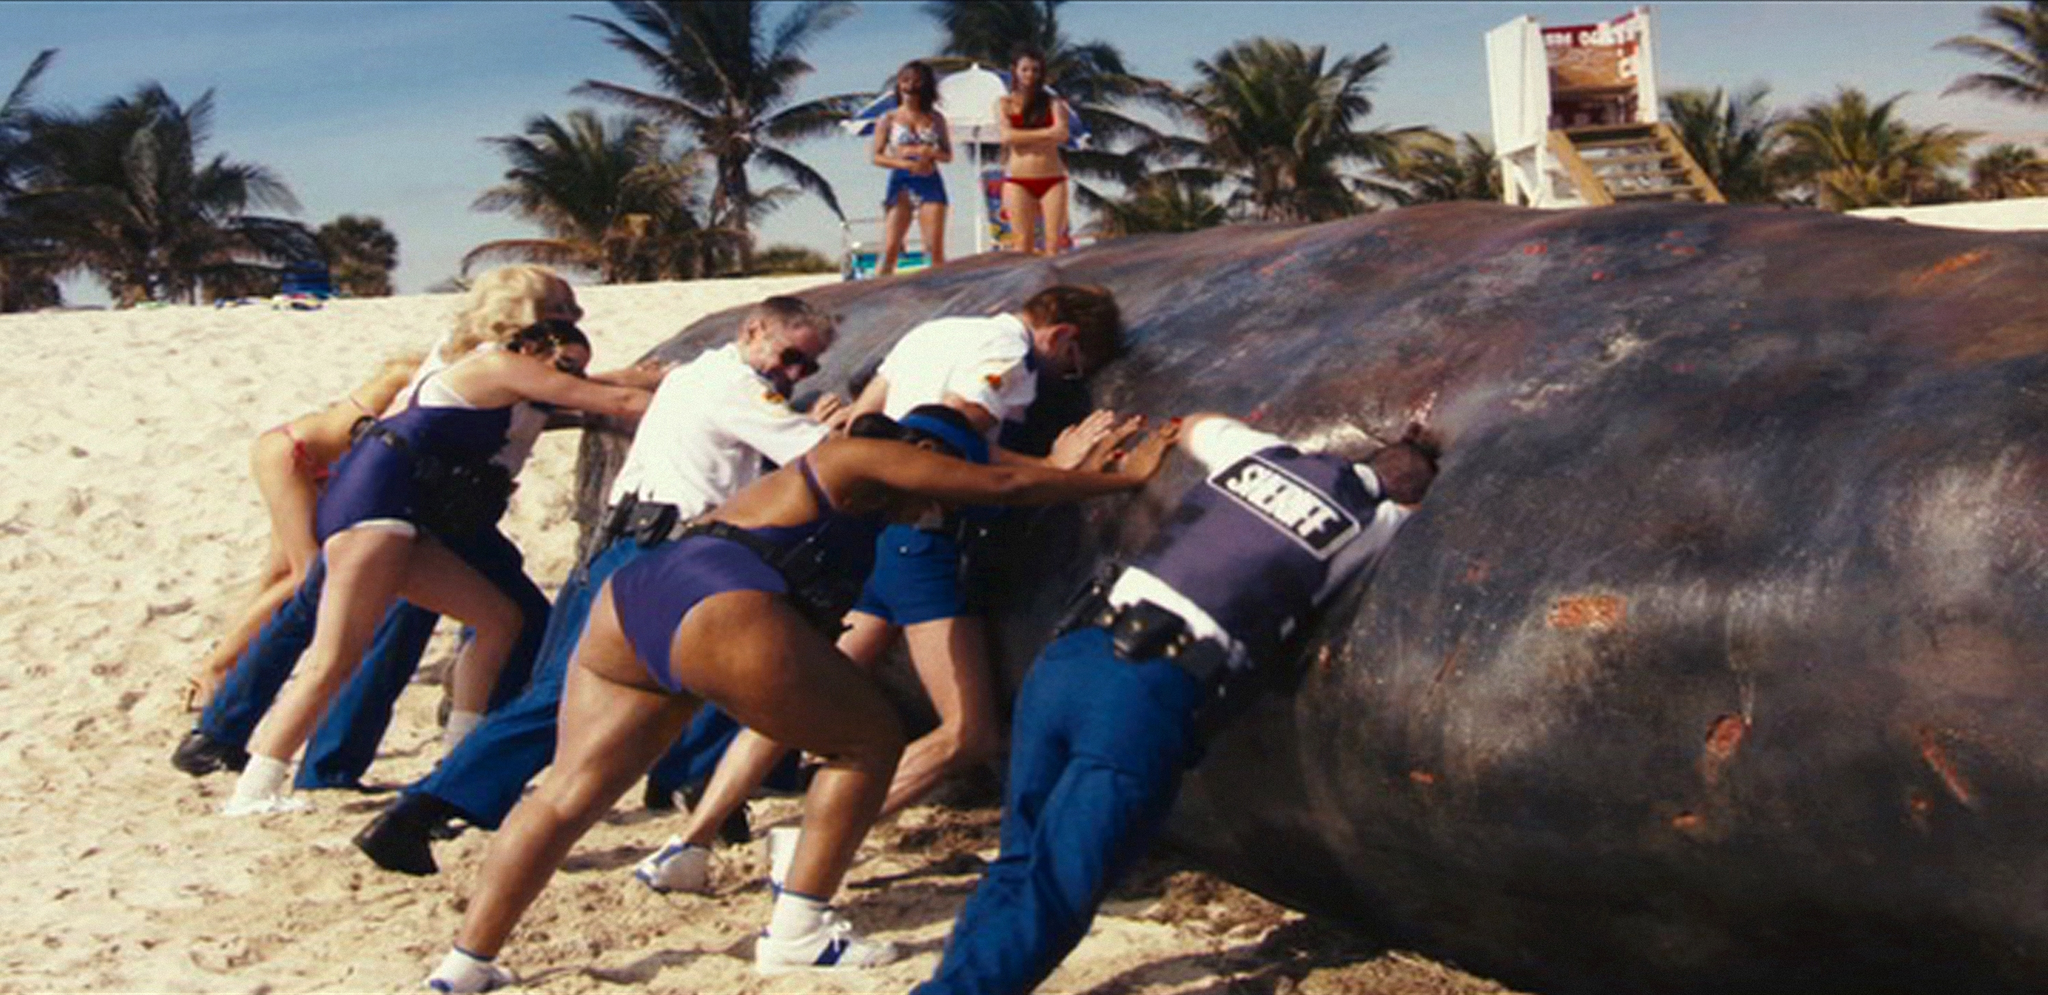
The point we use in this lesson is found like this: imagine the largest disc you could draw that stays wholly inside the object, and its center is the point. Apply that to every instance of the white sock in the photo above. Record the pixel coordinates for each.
(782, 844)
(458, 957)
(460, 724)
(263, 777)
(462, 971)
(795, 915)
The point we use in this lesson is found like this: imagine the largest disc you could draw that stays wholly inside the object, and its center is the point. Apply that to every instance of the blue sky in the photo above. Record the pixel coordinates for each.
(380, 108)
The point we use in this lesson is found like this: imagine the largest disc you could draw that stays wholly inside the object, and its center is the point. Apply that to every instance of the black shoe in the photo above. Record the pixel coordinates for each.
(657, 798)
(734, 829)
(199, 755)
(398, 838)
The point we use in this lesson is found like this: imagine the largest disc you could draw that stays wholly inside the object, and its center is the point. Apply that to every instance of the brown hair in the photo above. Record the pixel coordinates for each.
(1408, 467)
(927, 90)
(546, 336)
(1036, 109)
(1092, 310)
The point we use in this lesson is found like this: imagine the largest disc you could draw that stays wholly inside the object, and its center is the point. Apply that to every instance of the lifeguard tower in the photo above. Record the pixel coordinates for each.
(1575, 119)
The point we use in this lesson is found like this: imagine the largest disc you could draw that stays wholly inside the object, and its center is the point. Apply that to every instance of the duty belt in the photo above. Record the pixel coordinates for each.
(1143, 631)
(647, 523)
(815, 589)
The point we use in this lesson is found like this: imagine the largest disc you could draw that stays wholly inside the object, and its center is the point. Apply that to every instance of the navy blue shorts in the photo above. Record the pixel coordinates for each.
(372, 481)
(653, 593)
(922, 189)
(916, 578)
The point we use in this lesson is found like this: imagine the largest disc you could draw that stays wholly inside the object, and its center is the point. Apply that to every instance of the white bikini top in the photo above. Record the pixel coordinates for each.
(527, 420)
(901, 134)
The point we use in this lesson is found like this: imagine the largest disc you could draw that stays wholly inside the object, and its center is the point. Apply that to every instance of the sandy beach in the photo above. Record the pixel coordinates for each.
(129, 531)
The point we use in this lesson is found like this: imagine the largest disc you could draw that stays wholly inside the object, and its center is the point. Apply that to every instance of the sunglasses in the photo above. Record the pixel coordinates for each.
(805, 363)
(569, 365)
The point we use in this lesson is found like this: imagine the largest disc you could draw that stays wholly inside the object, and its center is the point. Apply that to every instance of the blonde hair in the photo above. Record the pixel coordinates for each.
(502, 302)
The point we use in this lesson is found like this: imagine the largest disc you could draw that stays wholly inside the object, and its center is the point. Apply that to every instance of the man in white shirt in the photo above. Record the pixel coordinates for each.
(1110, 712)
(987, 368)
(711, 423)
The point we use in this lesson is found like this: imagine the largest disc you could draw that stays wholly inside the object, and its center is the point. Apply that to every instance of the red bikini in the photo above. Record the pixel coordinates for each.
(1036, 186)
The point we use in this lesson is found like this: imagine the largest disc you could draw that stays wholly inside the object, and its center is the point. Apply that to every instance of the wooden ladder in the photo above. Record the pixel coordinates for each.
(1632, 162)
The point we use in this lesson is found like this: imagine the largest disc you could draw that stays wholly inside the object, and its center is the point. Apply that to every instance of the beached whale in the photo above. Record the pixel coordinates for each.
(1717, 660)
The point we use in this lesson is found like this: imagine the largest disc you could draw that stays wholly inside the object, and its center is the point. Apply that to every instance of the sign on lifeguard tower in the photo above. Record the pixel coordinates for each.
(1575, 116)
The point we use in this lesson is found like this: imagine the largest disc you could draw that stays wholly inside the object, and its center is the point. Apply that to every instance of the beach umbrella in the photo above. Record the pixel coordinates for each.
(968, 100)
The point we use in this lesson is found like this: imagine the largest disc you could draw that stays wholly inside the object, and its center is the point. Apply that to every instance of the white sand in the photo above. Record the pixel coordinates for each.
(129, 531)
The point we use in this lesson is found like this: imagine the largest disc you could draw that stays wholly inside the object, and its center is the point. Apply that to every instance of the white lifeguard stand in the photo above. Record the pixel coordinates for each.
(1575, 120)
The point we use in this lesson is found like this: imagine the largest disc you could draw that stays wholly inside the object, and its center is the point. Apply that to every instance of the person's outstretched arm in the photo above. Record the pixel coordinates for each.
(914, 470)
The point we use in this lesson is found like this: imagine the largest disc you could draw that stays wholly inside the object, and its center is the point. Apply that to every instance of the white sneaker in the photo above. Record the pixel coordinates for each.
(833, 944)
(463, 975)
(677, 866)
(238, 806)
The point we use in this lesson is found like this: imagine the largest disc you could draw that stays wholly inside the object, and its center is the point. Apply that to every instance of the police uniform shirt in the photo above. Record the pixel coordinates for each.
(1218, 444)
(985, 361)
(705, 432)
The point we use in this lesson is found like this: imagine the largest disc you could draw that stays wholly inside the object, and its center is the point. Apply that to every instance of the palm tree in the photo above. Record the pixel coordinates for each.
(1856, 154)
(124, 190)
(608, 197)
(29, 263)
(727, 85)
(2008, 170)
(2022, 56)
(1733, 138)
(1434, 168)
(1286, 129)
(1090, 76)
(1173, 201)
(361, 253)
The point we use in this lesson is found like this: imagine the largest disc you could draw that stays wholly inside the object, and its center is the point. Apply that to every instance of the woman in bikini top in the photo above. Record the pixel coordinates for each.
(910, 142)
(709, 619)
(290, 464)
(377, 551)
(1033, 123)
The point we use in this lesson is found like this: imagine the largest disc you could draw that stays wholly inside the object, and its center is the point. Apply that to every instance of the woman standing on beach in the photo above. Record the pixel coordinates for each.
(428, 465)
(736, 613)
(1033, 124)
(290, 463)
(910, 142)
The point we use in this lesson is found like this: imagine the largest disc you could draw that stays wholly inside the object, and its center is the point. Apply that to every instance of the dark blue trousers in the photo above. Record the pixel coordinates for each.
(486, 773)
(345, 743)
(1096, 753)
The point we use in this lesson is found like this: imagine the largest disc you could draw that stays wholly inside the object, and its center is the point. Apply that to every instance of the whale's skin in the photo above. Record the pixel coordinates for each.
(1717, 658)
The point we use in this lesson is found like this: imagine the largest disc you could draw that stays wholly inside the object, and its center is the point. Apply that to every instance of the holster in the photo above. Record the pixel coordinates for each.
(651, 523)
(971, 537)
(1144, 631)
(454, 497)
(613, 524)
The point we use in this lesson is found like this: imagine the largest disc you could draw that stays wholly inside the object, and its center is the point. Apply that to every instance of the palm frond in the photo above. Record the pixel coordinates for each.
(802, 175)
